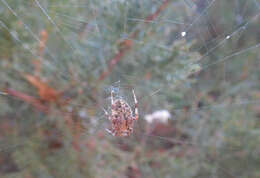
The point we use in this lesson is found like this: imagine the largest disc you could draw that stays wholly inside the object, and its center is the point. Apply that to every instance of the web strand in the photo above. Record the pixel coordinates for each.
(149, 98)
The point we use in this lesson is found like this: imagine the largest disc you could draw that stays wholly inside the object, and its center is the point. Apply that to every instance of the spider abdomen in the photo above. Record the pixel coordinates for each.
(122, 117)
(122, 110)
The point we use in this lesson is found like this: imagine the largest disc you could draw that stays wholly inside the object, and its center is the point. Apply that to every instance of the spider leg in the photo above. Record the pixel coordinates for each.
(112, 99)
(106, 114)
(136, 107)
(110, 132)
(112, 102)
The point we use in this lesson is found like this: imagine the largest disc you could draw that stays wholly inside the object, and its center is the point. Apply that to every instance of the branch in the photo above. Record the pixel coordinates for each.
(28, 99)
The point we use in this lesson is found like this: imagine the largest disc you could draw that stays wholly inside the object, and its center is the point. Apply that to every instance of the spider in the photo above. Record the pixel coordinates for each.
(121, 117)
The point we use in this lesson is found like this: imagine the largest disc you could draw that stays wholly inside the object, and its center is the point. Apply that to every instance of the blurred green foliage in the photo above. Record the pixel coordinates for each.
(213, 99)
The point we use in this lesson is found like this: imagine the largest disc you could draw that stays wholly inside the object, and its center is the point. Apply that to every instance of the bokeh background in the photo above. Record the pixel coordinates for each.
(194, 66)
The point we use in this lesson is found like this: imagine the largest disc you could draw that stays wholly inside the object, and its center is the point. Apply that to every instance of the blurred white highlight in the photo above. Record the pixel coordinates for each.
(158, 116)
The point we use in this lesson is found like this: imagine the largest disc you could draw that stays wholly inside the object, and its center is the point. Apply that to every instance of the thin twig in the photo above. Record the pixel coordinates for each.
(118, 56)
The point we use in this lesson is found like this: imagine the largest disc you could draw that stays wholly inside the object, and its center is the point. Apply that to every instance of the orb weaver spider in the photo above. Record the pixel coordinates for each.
(121, 116)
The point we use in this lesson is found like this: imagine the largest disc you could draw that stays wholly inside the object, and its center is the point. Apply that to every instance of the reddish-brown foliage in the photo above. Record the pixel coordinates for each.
(45, 92)
(26, 98)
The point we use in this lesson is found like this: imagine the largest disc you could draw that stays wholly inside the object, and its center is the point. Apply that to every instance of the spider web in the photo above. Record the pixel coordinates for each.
(213, 97)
